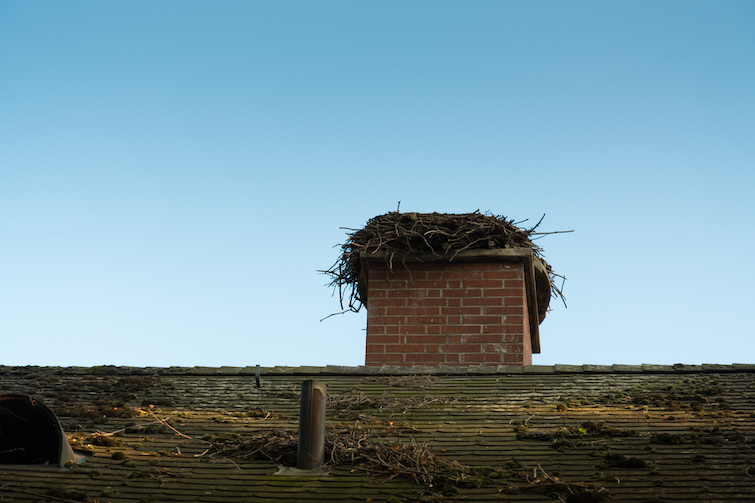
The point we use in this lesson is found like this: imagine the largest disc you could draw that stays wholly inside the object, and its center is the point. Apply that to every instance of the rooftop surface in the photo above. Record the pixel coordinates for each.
(538, 433)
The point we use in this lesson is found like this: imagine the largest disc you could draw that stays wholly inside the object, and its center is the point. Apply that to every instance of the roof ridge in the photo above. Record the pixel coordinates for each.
(678, 368)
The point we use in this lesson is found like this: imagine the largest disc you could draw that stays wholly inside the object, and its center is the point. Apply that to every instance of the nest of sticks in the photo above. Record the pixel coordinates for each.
(386, 459)
(443, 235)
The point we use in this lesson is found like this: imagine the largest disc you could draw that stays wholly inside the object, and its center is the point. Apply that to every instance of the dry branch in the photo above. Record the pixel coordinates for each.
(385, 458)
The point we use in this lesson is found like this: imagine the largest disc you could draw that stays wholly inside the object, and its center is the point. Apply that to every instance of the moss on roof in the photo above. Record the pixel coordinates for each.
(523, 434)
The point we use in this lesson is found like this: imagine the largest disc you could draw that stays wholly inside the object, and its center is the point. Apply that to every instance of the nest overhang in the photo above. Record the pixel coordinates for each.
(396, 238)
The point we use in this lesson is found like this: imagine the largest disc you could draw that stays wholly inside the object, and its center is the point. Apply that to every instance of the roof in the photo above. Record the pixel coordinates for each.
(535, 433)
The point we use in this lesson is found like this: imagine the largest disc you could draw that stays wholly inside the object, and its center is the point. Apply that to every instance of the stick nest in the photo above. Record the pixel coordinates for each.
(406, 235)
(389, 458)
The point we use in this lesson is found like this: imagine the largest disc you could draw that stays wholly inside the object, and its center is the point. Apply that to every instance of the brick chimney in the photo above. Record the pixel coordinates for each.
(445, 288)
(478, 307)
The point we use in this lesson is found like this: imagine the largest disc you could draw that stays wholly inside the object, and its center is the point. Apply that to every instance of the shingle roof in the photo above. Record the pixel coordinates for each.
(644, 433)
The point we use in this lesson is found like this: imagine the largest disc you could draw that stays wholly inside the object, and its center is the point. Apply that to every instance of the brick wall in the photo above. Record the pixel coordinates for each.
(447, 313)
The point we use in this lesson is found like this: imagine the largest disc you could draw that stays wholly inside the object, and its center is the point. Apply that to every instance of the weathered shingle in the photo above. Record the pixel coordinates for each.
(676, 433)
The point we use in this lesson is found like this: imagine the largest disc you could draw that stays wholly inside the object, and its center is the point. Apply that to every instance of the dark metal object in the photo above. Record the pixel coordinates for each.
(30, 434)
(257, 376)
(310, 452)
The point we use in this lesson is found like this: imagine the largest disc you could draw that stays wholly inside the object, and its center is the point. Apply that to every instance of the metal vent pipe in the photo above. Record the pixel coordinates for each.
(310, 451)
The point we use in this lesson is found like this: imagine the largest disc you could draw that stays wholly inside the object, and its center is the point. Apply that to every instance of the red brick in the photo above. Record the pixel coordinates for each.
(426, 339)
(404, 348)
(504, 310)
(383, 339)
(424, 357)
(434, 302)
(375, 357)
(503, 329)
(504, 292)
(514, 301)
(480, 357)
(377, 266)
(472, 276)
(502, 348)
(512, 329)
(412, 329)
(481, 320)
(462, 310)
(462, 292)
(461, 329)
(426, 284)
(405, 311)
(385, 302)
(481, 301)
(460, 348)
(513, 358)
(406, 293)
(483, 283)
(503, 275)
(386, 320)
(484, 338)
(413, 311)
(453, 275)
(426, 320)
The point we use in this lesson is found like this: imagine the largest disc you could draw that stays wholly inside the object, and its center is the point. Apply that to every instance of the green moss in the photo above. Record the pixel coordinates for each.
(103, 440)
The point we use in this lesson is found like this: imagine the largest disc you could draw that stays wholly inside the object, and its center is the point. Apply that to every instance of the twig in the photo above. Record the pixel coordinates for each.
(165, 423)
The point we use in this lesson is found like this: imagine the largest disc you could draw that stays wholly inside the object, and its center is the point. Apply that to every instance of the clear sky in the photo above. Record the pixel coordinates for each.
(174, 174)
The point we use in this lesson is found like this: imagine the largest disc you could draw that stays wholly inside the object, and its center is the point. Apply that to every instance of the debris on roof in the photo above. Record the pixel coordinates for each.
(405, 236)
(568, 433)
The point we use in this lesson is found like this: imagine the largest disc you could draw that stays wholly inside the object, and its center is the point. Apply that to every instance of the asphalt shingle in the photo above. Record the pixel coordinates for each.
(639, 433)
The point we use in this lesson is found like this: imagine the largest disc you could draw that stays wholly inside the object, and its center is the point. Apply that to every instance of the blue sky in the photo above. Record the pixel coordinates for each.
(174, 174)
